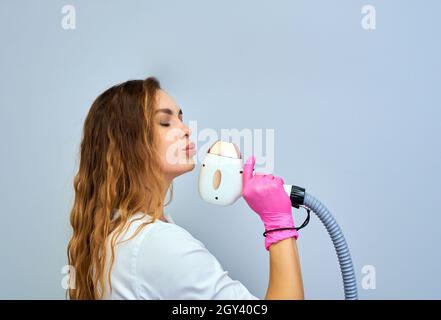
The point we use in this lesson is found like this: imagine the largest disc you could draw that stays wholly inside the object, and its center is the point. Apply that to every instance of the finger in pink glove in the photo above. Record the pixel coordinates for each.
(266, 196)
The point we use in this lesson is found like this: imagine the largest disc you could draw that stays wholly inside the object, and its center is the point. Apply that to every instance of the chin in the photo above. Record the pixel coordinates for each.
(188, 167)
(180, 169)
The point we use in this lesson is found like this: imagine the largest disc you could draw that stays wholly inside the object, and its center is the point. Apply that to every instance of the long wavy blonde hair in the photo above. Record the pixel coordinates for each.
(119, 170)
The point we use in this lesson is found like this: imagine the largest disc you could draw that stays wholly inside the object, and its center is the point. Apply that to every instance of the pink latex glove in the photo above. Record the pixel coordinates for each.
(265, 194)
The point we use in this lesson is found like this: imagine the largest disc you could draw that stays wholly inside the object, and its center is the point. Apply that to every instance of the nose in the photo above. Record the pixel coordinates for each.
(186, 130)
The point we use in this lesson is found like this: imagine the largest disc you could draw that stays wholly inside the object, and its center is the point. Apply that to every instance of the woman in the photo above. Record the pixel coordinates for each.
(124, 246)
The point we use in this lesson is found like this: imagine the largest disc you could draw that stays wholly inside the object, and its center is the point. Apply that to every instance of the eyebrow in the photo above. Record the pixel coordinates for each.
(168, 111)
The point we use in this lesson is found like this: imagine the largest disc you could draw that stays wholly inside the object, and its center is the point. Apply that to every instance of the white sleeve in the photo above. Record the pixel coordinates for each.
(172, 265)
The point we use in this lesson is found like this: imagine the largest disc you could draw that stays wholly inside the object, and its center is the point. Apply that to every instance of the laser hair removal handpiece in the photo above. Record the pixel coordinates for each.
(220, 182)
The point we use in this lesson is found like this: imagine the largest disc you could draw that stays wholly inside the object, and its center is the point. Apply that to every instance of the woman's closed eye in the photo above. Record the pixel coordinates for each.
(166, 124)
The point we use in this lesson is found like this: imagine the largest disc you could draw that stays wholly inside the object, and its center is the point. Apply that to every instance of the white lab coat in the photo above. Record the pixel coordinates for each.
(164, 261)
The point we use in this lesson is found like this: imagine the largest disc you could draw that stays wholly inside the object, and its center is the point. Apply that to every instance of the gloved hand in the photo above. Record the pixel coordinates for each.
(265, 194)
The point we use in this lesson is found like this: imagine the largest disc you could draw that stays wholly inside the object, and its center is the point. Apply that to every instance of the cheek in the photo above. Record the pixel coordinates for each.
(162, 143)
(169, 150)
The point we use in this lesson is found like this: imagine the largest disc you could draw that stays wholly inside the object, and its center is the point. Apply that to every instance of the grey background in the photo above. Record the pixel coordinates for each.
(356, 116)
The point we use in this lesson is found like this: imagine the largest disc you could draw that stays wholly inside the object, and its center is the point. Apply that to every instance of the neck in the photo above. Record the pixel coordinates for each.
(168, 181)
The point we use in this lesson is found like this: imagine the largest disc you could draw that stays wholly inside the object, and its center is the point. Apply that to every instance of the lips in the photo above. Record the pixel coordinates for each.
(189, 146)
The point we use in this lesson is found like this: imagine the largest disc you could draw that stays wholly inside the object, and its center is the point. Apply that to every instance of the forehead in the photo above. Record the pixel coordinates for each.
(166, 101)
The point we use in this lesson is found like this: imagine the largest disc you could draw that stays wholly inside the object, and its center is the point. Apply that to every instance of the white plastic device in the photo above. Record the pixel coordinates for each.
(220, 177)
